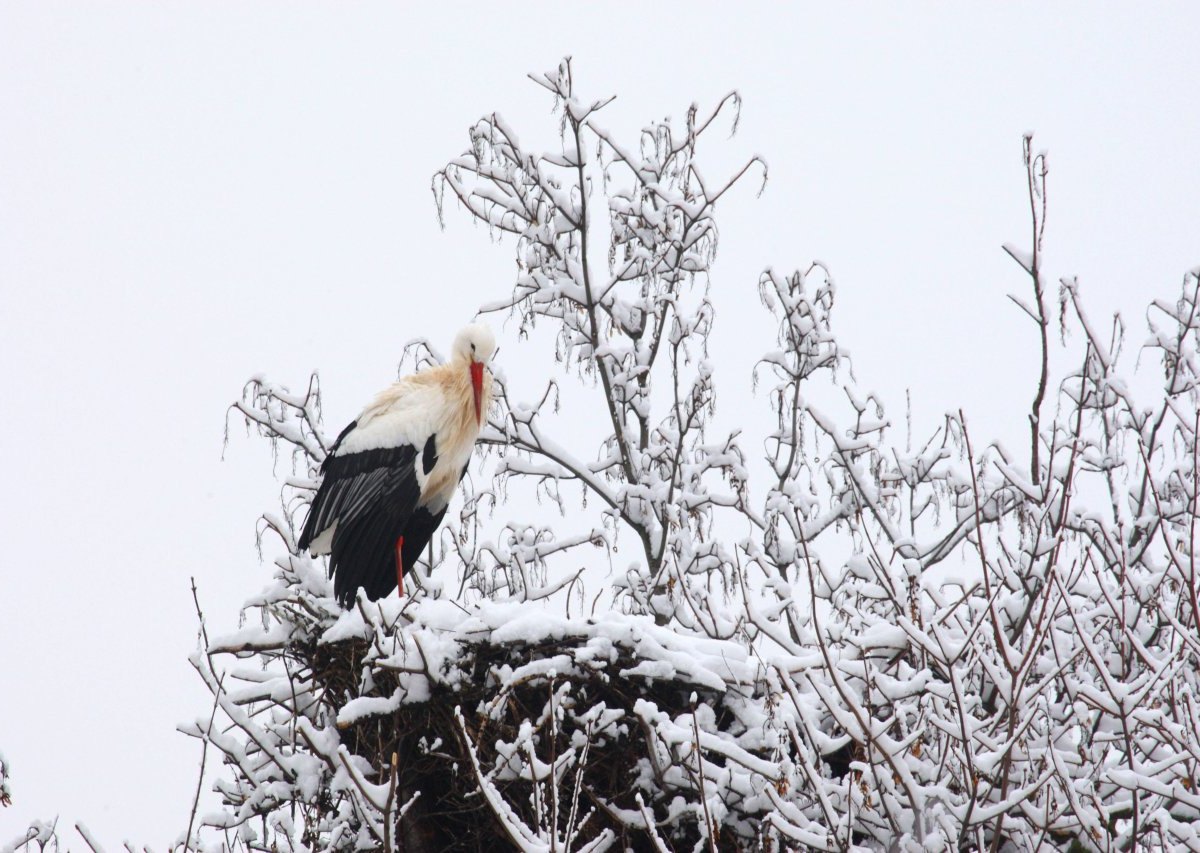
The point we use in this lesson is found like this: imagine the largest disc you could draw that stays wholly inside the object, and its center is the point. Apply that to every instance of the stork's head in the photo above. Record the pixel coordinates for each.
(473, 347)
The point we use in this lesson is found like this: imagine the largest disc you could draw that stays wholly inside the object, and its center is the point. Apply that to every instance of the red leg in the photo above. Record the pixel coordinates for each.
(400, 565)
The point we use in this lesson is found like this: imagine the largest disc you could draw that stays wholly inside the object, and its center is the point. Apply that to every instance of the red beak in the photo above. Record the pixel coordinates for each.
(477, 385)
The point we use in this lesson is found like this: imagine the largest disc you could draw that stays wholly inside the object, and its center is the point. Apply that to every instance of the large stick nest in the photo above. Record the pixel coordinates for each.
(505, 716)
(433, 750)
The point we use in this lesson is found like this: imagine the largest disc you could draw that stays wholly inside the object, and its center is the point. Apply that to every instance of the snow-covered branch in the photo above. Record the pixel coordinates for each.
(828, 637)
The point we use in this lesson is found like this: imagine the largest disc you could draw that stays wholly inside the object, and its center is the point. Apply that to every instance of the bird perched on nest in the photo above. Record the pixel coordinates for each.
(391, 473)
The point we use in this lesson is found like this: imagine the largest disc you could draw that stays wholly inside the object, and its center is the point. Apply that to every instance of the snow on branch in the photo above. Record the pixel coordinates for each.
(822, 638)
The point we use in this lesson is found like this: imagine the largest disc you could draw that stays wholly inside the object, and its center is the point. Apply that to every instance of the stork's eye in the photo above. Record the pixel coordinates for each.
(472, 347)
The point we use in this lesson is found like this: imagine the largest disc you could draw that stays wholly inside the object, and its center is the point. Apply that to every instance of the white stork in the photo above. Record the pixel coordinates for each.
(391, 473)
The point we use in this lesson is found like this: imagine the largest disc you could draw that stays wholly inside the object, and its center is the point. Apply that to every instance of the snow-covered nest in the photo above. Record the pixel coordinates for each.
(499, 716)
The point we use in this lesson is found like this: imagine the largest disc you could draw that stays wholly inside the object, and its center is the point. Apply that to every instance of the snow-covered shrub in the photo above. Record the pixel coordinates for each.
(5, 787)
(796, 660)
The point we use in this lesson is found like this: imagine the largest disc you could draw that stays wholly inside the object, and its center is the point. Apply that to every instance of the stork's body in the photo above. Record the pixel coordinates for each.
(391, 473)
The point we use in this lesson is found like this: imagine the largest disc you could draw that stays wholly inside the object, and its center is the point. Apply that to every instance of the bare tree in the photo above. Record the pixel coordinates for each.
(868, 647)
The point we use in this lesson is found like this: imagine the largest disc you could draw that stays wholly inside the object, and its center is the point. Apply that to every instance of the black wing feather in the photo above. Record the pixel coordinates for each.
(421, 527)
(370, 495)
(422, 524)
(338, 442)
(352, 482)
(429, 456)
(364, 549)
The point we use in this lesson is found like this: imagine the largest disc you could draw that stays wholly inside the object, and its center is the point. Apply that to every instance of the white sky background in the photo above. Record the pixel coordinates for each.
(192, 193)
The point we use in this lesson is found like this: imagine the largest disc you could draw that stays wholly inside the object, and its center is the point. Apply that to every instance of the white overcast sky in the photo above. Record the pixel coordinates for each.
(191, 193)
